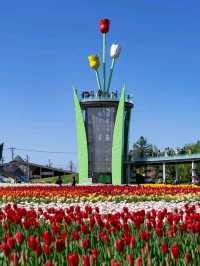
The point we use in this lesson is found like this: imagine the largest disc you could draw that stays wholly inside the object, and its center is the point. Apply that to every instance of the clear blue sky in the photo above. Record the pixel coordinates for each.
(43, 53)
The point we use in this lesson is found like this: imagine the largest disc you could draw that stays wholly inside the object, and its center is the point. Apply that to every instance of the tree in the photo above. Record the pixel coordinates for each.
(156, 151)
(169, 151)
(1, 150)
(142, 148)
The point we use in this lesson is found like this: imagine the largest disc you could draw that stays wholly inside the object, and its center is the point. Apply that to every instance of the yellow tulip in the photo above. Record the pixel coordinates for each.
(94, 61)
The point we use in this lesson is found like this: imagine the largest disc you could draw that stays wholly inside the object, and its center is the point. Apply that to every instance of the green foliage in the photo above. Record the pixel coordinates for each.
(192, 148)
(142, 148)
(104, 179)
(67, 179)
(1, 150)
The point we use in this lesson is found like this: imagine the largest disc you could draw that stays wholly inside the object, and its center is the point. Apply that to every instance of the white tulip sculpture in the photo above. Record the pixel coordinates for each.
(115, 51)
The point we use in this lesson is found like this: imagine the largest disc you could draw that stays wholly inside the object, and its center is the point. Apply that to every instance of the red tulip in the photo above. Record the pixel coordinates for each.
(175, 251)
(132, 242)
(55, 228)
(75, 235)
(104, 237)
(35, 225)
(47, 249)
(147, 236)
(85, 243)
(64, 235)
(126, 239)
(38, 250)
(97, 209)
(46, 237)
(94, 254)
(187, 257)
(67, 219)
(73, 259)
(164, 248)
(60, 245)
(14, 258)
(77, 209)
(142, 235)
(32, 242)
(11, 242)
(48, 263)
(115, 263)
(130, 259)
(26, 224)
(84, 229)
(86, 260)
(119, 245)
(19, 237)
(126, 227)
(5, 248)
(104, 25)
(125, 209)
(91, 221)
(4, 226)
(138, 261)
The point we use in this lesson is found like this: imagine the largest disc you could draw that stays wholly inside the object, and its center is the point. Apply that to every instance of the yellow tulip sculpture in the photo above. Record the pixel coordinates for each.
(94, 61)
(94, 64)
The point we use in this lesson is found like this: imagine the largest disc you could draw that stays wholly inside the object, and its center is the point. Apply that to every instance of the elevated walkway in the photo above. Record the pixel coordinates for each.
(166, 160)
(176, 159)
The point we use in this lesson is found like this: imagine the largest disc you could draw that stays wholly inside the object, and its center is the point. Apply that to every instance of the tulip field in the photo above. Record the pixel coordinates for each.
(100, 225)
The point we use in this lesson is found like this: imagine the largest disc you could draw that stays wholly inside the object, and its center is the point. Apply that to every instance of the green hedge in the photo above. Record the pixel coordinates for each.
(104, 179)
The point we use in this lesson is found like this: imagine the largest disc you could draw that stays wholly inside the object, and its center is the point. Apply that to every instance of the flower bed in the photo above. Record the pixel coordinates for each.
(44, 193)
(99, 225)
(82, 236)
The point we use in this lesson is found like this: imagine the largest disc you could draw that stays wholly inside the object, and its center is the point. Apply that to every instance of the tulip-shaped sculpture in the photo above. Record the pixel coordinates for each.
(94, 64)
(115, 50)
(104, 25)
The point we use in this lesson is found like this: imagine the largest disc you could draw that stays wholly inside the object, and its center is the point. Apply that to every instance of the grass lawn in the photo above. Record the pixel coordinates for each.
(52, 180)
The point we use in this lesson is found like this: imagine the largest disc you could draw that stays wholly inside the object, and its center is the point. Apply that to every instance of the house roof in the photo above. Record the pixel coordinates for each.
(5, 173)
(19, 161)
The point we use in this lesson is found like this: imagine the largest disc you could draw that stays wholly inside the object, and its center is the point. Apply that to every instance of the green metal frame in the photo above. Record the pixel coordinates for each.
(118, 143)
(81, 142)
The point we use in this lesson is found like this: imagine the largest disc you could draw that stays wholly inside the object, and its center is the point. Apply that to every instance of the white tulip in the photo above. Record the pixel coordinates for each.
(115, 50)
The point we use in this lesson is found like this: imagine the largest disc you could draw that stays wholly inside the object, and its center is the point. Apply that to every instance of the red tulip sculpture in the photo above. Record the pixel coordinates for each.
(104, 25)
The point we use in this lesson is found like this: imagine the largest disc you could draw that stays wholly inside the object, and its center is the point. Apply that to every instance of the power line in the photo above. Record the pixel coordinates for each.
(42, 151)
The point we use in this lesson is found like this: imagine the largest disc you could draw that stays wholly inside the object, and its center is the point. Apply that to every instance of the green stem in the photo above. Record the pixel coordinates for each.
(104, 62)
(98, 80)
(111, 72)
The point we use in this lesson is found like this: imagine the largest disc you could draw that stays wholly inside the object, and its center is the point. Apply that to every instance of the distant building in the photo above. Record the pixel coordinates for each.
(21, 170)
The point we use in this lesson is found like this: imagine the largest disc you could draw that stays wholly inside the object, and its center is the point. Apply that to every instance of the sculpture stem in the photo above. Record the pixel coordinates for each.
(98, 80)
(111, 72)
(104, 62)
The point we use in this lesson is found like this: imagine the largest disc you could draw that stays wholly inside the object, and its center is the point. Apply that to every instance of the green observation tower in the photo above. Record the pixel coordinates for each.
(102, 123)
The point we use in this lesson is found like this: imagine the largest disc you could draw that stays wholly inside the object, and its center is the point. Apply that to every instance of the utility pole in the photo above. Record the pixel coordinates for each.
(2, 160)
(50, 163)
(12, 149)
(71, 166)
(27, 166)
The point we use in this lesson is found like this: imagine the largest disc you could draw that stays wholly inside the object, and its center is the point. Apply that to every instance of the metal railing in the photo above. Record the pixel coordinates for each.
(194, 156)
(102, 96)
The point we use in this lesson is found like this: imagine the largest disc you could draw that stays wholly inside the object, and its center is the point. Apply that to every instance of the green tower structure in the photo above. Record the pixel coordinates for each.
(102, 124)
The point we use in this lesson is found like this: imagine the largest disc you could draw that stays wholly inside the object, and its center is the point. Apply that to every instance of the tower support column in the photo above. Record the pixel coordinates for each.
(193, 171)
(128, 174)
(177, 173)
(164, 173)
